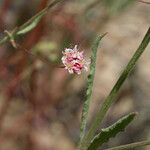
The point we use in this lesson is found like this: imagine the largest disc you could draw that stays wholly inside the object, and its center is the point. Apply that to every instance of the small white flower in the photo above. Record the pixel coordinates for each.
(74, 61)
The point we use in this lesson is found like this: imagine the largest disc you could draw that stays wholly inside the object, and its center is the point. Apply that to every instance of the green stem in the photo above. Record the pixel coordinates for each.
(90, 81)
(111, 97)
(6, 38)
(130, 146)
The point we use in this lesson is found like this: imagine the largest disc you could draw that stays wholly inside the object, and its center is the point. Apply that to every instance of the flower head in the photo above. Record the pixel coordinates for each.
(74, 60)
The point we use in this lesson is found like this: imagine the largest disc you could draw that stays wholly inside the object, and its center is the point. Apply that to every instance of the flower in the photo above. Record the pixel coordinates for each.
(74, 60)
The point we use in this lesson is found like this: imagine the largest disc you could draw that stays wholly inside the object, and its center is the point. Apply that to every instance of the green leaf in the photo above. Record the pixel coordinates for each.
(114, 92)
(111, 131)
(89, 86)
(31, 24)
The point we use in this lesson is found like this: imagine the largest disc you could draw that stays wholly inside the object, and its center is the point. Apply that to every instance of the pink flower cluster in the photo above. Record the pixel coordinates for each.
(74, 60)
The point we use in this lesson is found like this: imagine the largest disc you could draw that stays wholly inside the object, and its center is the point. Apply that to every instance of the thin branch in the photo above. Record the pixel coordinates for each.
(38, 57)
(6, 38)
(130, 146)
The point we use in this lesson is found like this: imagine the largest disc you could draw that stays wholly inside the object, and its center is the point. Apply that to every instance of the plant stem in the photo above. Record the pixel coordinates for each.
(90, 81)
(132, 145)
(6, 38)
(111, 97)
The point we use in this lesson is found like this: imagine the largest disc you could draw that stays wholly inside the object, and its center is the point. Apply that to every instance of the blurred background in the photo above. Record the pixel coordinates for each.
(41, 103)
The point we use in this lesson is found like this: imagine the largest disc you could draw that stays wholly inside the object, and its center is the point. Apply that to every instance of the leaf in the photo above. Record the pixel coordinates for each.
(32, 23)
(111, 131)
(89, 86)
(114, 92)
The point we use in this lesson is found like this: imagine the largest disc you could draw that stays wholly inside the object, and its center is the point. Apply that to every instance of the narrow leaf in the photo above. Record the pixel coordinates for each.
(89, 86)
(131, 146)
(111, 131)
(32, 23)
(112, 96)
